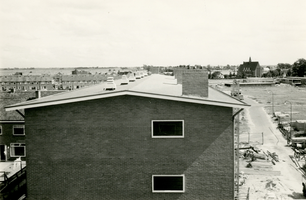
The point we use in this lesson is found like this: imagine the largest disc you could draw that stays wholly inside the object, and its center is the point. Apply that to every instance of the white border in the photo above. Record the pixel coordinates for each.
(180, 120)
(169, 191)
(24, 146)
(16, 125)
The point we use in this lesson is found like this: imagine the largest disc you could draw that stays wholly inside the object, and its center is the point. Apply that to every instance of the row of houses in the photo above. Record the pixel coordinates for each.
(25, 83)
(58, 82)
(158, 137)
(71, 82)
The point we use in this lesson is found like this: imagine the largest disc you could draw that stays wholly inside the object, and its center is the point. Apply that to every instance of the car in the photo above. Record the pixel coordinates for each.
(124, 80)
(138, 75)
(132, 78)
(110, 84)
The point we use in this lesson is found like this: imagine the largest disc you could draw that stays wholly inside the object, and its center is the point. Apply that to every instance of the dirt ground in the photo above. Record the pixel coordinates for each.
(267, 179)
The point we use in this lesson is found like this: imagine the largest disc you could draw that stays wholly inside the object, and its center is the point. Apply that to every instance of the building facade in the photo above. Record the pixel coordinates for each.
(26, 83)
(12, 124)
(132, 143)
(72, 82)
(12, 140)
(250, 69)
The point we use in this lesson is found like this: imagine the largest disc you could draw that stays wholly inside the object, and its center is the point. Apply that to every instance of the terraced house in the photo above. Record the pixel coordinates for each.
(154, 138)
(78, 81)
(26, 83)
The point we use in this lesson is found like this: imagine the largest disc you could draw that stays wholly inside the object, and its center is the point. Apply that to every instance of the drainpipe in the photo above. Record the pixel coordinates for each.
(38, 94)
(236, 149)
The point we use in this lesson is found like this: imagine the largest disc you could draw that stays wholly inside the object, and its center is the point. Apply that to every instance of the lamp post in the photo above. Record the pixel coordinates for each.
(290, 120)
(272, 103)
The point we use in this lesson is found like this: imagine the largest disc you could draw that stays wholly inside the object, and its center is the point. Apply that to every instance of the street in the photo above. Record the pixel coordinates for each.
(265, 180)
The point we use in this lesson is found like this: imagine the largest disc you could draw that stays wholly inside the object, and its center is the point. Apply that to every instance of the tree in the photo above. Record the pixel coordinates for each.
(299, 68)
(215, 74)
(275, 72)
(282, 66)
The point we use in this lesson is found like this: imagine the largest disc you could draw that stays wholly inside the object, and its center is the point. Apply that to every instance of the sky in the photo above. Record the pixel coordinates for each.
(129, 33)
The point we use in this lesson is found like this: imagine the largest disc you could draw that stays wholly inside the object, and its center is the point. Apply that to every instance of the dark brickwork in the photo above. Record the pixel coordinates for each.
(102, 149)
(7, 137)
(195, 83)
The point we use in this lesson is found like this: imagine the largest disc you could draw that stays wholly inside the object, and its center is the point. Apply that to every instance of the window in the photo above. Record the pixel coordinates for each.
(167, 128)
(168, 183)
(0, 130)
(18, 150)
(18, 130)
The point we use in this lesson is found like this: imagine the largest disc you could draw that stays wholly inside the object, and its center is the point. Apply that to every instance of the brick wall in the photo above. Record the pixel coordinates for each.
(7, 137)
(195, 83)
(102, 149)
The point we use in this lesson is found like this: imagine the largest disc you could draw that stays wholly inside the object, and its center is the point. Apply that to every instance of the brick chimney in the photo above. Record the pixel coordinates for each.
(38, 94)
(195, 83)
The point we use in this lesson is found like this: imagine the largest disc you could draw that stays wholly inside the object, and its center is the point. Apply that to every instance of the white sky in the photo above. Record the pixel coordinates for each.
(105, 33)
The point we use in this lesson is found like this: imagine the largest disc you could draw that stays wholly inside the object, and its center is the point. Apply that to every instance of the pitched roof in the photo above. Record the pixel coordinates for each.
(18, 97)
(14, 78)
(12, 98)
(83, 77)
(250, 65)
(154, 86)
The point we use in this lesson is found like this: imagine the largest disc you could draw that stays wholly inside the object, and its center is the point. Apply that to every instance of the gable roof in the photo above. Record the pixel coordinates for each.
(12, 98)
(83, 77)
(14, 78)
(154, 86)
(249, 65)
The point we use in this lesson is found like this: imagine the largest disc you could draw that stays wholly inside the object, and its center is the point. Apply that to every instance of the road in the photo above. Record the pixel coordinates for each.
(268, 181)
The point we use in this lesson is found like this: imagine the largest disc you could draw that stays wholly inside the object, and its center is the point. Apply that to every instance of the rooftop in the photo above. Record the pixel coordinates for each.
(154, 86)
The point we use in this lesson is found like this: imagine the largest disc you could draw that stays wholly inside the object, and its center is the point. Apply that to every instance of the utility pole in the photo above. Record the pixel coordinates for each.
(290, 122)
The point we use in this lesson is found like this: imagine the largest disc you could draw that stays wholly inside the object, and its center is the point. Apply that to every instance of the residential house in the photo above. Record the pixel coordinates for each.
(12, 125)
(250, 69)
(78, 72)
(72, 82)
(154, 138)
(26, 83)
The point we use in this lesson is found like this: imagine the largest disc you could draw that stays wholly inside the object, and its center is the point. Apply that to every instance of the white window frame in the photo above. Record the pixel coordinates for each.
(13, 145)
(19, 126)
(167, 136)
(168, 191)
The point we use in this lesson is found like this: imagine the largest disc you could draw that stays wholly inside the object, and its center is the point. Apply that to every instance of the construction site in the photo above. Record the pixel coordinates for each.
(270, 142)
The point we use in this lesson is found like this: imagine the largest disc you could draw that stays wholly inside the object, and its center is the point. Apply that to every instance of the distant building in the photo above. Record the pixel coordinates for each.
(26, 83)
(250, 69)
(151, 139)
(78, 72)
(72, 82)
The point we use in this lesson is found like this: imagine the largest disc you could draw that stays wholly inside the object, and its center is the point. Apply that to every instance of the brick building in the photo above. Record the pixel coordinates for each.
(78, 81)
(150, 139)
(26, 83)
(250, 69)
(12, 124)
